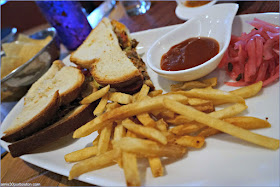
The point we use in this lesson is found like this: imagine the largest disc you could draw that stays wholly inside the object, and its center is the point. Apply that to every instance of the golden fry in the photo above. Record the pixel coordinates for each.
(244, 92)
(185, 129)
(111, 106)
(156, 166)
(155, 93)
(95, 95)
(229, 111)
(213, 94)
(242, 121)
(130, 169)
(206, 108)
(161, 125)
(101, 105)
(81, 154)
(148, 132)
(223, 126)
(178, 120)
(121, 98)
(211, 81)
(198, 101)
(248, 91)
(143, 92)
(190, 141)
(148, 148)
(125, 111)
(146, 120)
(94, 163)
(194, 84)
(95, 141)
(104, 140)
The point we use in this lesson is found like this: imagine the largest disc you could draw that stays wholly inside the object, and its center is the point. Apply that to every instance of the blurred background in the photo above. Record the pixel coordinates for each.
(24, 15)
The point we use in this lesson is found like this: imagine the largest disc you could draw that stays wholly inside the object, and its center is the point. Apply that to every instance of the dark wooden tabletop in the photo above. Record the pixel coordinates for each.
(161, 13)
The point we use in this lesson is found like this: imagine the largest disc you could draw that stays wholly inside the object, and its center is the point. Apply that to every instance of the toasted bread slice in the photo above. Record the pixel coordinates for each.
(59, 86)
(69, 123)
(102, 53)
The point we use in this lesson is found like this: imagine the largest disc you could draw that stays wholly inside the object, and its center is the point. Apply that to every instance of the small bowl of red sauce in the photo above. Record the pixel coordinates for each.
(195, 48)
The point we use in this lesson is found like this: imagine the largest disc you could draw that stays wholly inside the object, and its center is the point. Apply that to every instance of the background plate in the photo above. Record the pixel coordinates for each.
(186, 13)
(224, 161)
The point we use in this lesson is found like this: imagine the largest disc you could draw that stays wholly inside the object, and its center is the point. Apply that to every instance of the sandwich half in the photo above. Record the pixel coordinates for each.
(51, 110)
(110, 55)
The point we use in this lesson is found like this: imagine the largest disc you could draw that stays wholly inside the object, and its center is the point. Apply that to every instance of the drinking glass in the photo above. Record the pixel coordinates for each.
(136, 7)
(69, 20)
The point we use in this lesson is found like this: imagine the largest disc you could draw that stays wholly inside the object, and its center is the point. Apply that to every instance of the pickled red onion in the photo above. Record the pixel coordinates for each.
(253, 56)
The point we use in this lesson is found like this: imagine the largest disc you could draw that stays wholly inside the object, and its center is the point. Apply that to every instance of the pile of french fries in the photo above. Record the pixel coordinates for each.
(153, 125)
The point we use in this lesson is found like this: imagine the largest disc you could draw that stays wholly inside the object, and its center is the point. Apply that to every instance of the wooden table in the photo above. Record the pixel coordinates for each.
(15, 170)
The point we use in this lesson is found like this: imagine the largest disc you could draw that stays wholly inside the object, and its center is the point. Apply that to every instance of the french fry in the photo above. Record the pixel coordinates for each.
(143, 92)
(146, 120)
(190, 141)
(170, 137)
(223, 126)
(94, 163)
(95, 141)
(156, 166)
(148, 132)
(101, 105)
(188, 85)
(194, 84)
(130, 168)
(211, 81)
(121, 98)
(119, 132)
(149, 83)
(125, 111)
(167, 114)
(148, 148)
(104, 140)
(111, 106)
(206, 108)
(81, 154)
(248, 91)
(155, 93)
(248, 122)
(186, 128)
(213, 94)
(198, 101)
(95, 95)
(244, 122)
(229, 111)
(245, 92)
(178, 120)
(161, 125)
(209, 131)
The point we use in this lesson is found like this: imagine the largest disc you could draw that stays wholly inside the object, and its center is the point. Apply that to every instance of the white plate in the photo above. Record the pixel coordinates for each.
(186, 13)
(224, 161)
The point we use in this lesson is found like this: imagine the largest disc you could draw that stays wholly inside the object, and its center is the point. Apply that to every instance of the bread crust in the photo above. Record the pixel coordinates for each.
(75, 119)
(34, 124)
(44, 89)
(118, 83)
(72, 94)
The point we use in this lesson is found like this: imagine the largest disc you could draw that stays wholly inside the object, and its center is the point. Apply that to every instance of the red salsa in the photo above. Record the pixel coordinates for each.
(189, 53)
(195, 3)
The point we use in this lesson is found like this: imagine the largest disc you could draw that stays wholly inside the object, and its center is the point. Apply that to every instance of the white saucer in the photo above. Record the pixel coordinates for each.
(186, 13)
